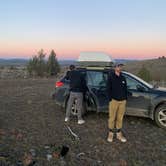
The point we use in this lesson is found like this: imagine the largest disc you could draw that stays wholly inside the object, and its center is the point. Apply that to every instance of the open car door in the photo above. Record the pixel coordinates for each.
(97, 98)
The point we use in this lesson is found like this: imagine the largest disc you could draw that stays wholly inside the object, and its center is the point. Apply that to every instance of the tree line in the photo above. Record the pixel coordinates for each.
(38, 65)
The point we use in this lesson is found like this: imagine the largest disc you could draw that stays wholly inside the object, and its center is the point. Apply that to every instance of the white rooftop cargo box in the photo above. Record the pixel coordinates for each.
(95, 59)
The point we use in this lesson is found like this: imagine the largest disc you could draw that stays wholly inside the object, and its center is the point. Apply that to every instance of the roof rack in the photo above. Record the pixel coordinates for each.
(95, 59)
(94, 67)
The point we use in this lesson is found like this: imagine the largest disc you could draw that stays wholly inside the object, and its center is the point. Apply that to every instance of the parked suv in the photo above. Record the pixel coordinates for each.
(144, 100)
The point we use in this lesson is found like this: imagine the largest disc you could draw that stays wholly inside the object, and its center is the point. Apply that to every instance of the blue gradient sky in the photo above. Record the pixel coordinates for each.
(124, 28)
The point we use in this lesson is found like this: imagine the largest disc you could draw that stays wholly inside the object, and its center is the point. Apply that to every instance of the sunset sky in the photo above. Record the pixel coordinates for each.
(132, 29)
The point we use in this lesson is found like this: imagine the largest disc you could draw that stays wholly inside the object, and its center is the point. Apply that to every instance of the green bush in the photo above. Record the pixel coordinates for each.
(53, 66)
(39, 66)
(144, 73)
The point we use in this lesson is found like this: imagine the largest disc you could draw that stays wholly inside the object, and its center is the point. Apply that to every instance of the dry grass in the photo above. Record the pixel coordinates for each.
(30, 119)
(157, 68)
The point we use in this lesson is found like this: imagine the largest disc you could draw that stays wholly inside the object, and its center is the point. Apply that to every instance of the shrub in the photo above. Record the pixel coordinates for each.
(38, 66)
(144, 73)
(53, 66)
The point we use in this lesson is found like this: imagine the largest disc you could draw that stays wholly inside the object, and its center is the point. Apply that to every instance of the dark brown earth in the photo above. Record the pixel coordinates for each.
(29, 119)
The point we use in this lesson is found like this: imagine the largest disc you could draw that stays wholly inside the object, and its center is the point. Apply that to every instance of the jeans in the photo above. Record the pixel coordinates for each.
(78, 96)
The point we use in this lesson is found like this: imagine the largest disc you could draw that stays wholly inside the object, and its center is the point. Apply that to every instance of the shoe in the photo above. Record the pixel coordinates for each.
(120, 137)
(66, 119)
(81, 121)
(110, 137)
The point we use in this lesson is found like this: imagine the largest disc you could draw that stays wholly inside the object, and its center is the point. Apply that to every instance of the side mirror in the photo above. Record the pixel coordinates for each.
(140, 88)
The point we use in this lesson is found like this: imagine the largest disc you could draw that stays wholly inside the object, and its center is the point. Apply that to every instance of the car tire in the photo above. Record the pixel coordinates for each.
(74, 111)
(160, 116)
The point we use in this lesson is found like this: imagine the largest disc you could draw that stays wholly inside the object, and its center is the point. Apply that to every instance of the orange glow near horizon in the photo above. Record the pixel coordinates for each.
(75, 54)
(71, 50)
(70, 54)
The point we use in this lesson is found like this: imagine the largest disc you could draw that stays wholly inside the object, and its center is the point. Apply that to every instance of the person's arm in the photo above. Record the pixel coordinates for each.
(109, 86)
(126, 91)
(67, 75)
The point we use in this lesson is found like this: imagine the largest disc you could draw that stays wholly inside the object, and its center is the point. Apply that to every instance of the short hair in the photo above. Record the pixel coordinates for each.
(71, 67)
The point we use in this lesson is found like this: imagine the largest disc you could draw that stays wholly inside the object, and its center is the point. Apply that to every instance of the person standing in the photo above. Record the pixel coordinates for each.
(77, 89)
(117, 92)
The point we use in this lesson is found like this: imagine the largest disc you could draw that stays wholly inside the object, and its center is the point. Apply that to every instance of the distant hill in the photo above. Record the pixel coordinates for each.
(69, 62)
(125, 60)
(157, 67)
(23, 62)
(13, 62)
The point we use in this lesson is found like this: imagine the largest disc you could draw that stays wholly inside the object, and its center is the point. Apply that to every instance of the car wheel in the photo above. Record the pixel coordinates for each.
(74, 110)
(160, 116)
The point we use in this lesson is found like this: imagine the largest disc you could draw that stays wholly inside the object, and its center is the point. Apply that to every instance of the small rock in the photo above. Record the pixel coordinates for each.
(80, 154)
(33, 152)
(47, 147)
(19, 163)
(49, 157)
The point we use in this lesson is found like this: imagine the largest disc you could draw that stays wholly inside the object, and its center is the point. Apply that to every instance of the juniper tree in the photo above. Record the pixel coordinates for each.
(53, 66)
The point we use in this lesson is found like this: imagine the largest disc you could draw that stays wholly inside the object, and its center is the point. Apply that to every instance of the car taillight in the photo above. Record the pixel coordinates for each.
(59, 84)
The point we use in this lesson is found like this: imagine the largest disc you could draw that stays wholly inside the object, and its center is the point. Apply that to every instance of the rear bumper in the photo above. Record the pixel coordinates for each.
(53, 96)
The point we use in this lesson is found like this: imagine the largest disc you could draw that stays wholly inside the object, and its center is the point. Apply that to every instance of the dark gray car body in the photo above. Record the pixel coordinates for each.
(143, 99)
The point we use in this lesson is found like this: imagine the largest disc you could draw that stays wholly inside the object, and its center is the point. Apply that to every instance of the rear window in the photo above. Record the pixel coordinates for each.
(97, 78)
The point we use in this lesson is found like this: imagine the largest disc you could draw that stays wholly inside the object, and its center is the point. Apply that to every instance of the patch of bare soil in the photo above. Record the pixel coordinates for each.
(33, 132)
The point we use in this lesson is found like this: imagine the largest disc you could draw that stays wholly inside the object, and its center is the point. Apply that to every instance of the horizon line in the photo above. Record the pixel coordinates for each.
(74, 59)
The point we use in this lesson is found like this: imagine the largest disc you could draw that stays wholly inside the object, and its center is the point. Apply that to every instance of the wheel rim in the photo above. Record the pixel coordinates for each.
(162, 117)
(74, 110)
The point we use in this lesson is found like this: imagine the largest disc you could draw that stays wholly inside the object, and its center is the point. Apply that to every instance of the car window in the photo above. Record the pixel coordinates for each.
(97, 78)
(133, 84)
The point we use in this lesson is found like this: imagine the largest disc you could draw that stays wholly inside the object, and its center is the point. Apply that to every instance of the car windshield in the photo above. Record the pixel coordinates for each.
(139, 79)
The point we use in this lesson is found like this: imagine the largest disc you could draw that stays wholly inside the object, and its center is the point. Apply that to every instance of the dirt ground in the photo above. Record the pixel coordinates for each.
(31, 122)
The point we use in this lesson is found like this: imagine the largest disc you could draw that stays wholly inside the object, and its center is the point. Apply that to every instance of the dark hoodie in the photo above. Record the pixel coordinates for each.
(117, 87)
(77, 81)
